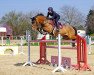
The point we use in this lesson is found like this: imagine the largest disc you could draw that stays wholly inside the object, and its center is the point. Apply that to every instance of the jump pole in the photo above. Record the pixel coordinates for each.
(82, 54)
(90, 51)
(2, 40)
(21, 45)
(43, 58)
(59, 68)
(29, 61)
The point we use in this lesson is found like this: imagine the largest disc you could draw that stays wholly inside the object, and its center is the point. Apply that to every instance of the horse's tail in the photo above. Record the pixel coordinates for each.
(75, 30)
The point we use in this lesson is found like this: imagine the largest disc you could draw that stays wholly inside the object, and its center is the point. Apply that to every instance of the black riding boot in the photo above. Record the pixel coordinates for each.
(57, 28)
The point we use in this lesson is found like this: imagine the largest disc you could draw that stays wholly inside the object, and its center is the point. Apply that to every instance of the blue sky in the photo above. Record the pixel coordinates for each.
(42, 5)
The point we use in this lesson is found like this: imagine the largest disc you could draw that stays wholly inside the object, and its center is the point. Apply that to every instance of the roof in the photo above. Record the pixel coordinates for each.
(8, 28)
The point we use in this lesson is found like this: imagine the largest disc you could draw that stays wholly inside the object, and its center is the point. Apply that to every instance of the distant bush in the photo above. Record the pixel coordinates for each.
(48, 43)
(31, 44)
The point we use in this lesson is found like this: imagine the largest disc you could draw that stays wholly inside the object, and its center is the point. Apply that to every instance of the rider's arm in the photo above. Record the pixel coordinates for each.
(47, 15)
(53, 17)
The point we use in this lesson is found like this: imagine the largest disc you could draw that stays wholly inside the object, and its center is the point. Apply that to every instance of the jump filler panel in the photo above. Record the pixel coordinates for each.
(13, 48)
(65, 61)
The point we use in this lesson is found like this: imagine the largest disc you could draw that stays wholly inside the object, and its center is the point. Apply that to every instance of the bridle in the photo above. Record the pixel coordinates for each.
(40, 27)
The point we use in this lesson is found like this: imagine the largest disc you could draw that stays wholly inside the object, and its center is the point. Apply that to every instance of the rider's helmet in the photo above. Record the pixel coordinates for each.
(50, 9)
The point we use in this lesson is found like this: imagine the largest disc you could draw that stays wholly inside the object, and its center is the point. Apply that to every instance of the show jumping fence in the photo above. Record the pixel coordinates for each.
(81, 52)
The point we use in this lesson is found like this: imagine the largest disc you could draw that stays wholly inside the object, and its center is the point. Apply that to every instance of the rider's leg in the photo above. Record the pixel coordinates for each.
(56, 24)
(56, 21)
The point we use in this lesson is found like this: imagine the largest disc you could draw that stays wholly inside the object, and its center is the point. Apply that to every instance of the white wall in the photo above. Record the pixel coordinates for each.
(2, 29)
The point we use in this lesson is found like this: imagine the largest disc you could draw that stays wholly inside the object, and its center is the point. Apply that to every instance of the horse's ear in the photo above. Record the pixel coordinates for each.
(31, 18)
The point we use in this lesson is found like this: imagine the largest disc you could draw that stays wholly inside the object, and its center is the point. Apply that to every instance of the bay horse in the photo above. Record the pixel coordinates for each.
(44, 26)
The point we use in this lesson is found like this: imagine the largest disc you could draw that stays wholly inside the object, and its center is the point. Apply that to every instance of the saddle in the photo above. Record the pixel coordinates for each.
(59, 24)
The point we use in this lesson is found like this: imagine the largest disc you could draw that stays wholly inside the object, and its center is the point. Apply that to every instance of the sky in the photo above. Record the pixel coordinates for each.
(26, 6)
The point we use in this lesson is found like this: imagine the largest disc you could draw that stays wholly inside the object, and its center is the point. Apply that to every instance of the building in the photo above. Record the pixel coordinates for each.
(5, 30)
(2, 31)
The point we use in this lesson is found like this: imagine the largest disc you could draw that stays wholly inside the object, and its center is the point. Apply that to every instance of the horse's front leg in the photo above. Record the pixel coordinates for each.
(42, 31)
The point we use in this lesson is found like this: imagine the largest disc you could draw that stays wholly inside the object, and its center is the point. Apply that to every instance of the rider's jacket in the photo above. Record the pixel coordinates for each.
(53, 14)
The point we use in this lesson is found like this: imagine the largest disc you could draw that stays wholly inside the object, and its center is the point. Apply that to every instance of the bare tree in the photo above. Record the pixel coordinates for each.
(72, 16)
(19, 21)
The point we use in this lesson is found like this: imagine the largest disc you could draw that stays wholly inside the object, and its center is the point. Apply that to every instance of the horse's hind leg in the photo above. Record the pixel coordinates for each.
(73, 44)
(73, 38)
(65, 37)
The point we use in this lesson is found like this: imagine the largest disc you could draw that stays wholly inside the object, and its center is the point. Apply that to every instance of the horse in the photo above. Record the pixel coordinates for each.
(44, 25)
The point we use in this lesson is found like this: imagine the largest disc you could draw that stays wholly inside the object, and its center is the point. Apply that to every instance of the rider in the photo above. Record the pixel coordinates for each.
(54, 15)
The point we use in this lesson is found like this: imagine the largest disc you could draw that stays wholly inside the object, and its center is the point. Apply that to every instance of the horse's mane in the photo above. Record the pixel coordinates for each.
(40, 14)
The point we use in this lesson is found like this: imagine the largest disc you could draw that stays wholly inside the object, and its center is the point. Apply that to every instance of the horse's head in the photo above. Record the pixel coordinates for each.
(34, 23)
(42, 24)
(38, 21)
